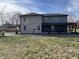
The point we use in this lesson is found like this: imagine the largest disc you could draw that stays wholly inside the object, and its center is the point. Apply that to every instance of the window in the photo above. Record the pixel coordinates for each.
(24, 27)
(38, 28)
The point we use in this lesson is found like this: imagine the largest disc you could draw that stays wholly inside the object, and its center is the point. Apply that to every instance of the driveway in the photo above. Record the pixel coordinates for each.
(10, 34)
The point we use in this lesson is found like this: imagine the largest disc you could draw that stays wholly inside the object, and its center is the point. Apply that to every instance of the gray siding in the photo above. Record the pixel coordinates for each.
(55, 19)
(31, 23)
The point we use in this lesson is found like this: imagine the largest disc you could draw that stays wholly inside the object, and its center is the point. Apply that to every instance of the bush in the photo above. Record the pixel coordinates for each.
(3, 33)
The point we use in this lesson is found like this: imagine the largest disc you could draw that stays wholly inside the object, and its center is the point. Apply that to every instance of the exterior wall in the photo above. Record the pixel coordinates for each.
(32, 23)
(55, 19)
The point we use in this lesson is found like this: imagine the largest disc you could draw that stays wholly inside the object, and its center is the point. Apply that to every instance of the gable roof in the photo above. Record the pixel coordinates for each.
(32, 14)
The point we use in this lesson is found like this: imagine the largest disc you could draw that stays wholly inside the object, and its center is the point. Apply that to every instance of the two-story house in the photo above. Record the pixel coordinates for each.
(45, 23)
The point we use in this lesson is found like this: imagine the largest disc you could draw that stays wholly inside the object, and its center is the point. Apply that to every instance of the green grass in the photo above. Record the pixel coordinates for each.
(39, 47)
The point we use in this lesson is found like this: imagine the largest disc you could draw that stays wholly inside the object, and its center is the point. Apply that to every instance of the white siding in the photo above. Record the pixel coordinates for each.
(31, 23)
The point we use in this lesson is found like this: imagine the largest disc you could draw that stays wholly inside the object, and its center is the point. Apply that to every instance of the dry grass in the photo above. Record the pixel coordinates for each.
(39, 47)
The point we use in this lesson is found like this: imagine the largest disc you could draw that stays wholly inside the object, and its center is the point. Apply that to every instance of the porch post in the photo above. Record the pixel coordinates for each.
(69, 29)
(75, 28)
(72, 28)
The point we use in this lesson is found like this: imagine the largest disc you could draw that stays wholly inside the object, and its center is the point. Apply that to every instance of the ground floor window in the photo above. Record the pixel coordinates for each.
(38, 28)
(24, 27)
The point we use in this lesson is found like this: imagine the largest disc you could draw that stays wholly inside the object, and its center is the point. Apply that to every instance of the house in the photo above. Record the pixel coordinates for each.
(46, 23)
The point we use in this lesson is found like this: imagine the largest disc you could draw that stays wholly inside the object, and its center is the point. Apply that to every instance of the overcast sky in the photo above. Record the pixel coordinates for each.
(41, 6)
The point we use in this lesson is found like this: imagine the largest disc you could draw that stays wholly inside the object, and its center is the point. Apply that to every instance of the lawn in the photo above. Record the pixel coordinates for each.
(39, 47)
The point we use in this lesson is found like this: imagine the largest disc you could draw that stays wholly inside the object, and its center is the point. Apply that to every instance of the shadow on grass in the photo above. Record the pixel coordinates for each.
(60, 35)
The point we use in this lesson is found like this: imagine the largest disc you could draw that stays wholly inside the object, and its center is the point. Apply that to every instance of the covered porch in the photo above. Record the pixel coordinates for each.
(59, 28)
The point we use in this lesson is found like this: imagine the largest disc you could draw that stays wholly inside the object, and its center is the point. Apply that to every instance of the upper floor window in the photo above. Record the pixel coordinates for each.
(24, 27)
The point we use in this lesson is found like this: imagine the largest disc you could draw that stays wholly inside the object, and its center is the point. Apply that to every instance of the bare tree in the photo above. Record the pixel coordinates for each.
(2, 14)
(2, 19)
(16, 20)
(12, 18)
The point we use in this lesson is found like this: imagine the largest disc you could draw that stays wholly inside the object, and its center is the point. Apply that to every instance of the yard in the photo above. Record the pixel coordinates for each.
(39, 47)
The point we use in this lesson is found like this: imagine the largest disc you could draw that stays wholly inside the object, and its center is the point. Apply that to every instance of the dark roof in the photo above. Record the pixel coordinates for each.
(32, 14)
(55, 14)
(49, 14)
